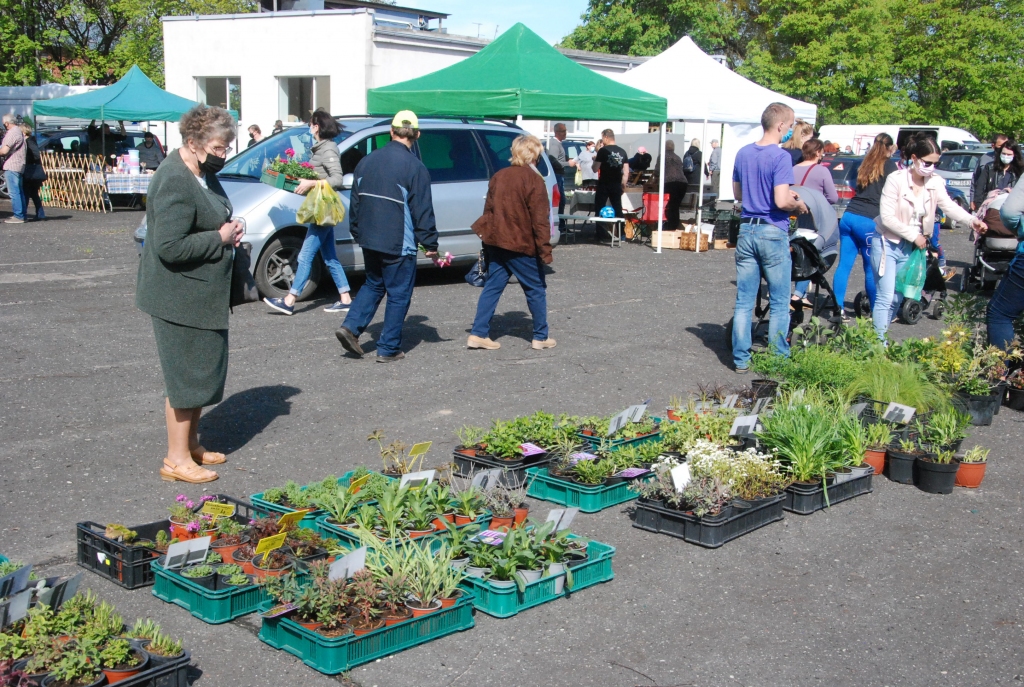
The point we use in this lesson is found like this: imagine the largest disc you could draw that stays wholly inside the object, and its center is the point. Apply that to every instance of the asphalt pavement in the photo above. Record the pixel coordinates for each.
(897, 587)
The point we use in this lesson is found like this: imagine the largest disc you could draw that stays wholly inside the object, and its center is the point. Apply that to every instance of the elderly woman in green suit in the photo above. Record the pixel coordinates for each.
(185, 284)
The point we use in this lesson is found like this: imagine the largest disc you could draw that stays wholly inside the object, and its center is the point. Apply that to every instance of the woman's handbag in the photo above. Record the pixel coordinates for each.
(243, 286)
(477, 274)
(35, 172)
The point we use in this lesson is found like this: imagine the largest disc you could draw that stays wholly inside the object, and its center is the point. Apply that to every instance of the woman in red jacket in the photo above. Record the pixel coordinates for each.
(516, 232)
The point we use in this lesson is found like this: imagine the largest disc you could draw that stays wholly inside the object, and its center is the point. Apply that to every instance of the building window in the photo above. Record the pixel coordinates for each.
(221, 91)
(300, 95)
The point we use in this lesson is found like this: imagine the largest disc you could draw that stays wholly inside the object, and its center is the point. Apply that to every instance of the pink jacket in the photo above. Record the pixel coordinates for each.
(897, 207)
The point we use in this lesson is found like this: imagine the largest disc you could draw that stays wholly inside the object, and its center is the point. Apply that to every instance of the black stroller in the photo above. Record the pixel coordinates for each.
(932, 294)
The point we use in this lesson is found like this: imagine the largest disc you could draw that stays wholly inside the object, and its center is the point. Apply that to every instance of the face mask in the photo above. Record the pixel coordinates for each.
(789, 135)
(212, 164)
(925, 169)
(1006, 159)
(312, 133)
(252, 136)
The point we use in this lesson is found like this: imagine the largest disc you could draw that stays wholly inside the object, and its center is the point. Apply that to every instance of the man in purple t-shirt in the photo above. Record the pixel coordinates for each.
(761, 178)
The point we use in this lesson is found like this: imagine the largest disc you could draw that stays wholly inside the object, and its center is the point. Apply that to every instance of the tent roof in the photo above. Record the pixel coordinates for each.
(698, 86)
(518, 74)
(134, 97)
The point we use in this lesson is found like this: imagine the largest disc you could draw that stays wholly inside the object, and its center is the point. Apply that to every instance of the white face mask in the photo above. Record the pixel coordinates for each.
(1006, 158)
(925, 169)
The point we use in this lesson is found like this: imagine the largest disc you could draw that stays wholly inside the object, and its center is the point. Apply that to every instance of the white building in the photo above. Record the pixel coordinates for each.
(282, 65)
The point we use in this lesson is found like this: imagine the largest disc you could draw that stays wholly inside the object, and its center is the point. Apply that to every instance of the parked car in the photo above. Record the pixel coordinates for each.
(460, 154)
(844, 175)
(957, 168)
(77, 140)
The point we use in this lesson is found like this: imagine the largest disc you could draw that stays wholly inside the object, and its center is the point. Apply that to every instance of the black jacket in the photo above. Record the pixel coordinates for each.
(693, 178)
(391, 210)
(985, 180)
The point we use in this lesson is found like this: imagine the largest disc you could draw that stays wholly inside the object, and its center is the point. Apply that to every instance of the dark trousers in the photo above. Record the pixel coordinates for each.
(675, 191)
(529, 270)
(607, 195)
(32, 187)
(561, 201)
(390, 275)
(1006, 305)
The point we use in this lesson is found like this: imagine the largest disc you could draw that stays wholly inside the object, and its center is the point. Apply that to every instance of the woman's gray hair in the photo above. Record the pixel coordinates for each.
(670, 145)
(202, 124)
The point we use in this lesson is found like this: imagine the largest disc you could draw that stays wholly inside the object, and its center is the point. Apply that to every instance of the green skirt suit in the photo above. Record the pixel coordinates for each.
(184, 282)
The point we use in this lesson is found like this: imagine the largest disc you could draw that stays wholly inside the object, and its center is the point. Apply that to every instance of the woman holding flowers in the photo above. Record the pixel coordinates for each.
(326, 162)
(516, 232)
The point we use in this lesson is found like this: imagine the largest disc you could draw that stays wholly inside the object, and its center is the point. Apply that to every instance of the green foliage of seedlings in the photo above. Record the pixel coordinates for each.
(230, 527)
(144, 628)
(905, 383)
(7, 567)
(197, 571)
(163, 539)
(854, 437)
(229, 569)
(975, 454)
(706, 495)
(944, 428)
(13, 647)
(469, 502)
(163, 645)
(274, 495)
(294, 494)
(213, 558)
(120, 533)
(104, 623)
(470, 436)
(878, 435)
(944, 457)
(593, 472)
(77, 663)
(239, 580)
(339, 504)
(117, 653)
(805, 438)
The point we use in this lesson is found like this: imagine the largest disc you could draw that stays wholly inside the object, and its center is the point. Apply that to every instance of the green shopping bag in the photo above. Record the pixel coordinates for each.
(322, 206)
(910, 278)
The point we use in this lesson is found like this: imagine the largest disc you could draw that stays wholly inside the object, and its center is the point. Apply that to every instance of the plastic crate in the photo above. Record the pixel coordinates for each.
(708, 532)
(173, 674)
(514, 470)
(309, 519)
(347, 538)
(804, 500)
(505, 602)
(210, 606)
(3, 559)
(129, 566)
(338, 654)
(622, 443)
(588, 499)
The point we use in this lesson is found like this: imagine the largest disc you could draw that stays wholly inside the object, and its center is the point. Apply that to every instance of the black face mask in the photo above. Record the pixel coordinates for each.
(212, 164)
(252, 136)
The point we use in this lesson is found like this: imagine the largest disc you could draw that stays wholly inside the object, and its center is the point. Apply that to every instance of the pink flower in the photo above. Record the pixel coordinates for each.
(192, 527)
(190, 505)
(180, 498)
(206, 497)
(290, 152)
(307, 165)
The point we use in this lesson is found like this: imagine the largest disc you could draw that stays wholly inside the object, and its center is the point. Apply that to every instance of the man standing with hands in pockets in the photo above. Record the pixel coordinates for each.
(761, 180)
(391, 214)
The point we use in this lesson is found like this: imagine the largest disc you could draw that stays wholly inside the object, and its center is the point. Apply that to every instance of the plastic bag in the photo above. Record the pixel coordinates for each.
(910, 278)
(579, 176)
(322, 206)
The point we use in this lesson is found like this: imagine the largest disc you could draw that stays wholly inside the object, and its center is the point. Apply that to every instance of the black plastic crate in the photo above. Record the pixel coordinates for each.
(128, 566)
(174, 674)
(515, 470)
(708, 532)
(804, 500)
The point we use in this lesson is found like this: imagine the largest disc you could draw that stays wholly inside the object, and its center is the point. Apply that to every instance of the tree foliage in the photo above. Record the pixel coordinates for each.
(952, 62)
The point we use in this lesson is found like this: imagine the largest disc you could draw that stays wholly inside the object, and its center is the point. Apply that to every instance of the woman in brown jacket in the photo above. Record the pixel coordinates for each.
(516, 232)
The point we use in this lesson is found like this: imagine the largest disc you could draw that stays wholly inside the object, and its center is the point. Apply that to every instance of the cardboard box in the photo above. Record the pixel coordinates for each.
(722, 244)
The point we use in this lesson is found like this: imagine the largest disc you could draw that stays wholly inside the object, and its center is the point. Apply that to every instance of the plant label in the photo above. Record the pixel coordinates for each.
(415, 480)
(278, 610)
(636, 413)
(291, 519)
(486, 479)
(630, 473)
(348, 565)
(59, 593)
(531, 449)
(730, 401)
(899, 413)
(680, 476)
(618, 422)
(186, 553)
(218, 510)
(562, 517)
(15, 608)
(357, 484)
(857, 409)
(15, 582)
(420, 448)
(492, 537)
(760, 405)
(743, 426)
(268, 544)
(577, 457)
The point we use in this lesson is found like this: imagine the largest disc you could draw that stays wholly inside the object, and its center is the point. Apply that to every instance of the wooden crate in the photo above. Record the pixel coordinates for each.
(722, 244)
(669, 239)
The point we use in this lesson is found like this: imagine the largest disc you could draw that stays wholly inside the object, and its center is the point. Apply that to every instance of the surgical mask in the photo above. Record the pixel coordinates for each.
(212, 164)
(1006, 158)
(925, 169)
(789, 135)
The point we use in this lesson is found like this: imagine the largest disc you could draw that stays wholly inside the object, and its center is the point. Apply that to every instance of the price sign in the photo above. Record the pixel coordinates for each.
(218, 510)
(680, 476)
(357, 484)
(15, 608)
(486, 479)
(348, 565)
(743, 426)
(531, 449)
(290, 519)
(420, 448)
(268, 544)
(636, 413)
(577, 457)
(562, 517)
(279, 610)
(186, 552)
(899, 413)
(415, 480)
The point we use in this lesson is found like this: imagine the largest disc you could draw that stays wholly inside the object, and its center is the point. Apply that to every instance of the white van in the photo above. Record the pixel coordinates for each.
(860, 136)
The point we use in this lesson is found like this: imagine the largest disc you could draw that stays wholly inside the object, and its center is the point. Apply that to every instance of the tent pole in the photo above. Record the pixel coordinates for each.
(661, 185)
(700, 189)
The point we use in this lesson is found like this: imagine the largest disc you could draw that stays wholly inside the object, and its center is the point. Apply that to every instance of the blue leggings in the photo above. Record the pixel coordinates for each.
(855, 233)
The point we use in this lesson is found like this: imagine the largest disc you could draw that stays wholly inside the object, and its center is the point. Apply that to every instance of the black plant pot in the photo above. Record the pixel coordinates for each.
(935, 478)
(901, 466)
(209, 581)
(999, 390)
(764, 388)
(980, 408)
(1015, 398)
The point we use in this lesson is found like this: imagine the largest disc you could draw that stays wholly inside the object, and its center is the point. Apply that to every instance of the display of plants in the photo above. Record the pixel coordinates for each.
(598, 427)
(505, 438)
(805, 438)
(692, 426)
(944, 429)
(290, 167)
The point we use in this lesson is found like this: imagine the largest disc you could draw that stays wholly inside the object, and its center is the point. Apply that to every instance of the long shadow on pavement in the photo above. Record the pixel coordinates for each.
(237, 419)
(716, 338)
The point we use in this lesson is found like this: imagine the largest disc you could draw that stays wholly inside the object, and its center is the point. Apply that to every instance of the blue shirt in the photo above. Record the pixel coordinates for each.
(759, 169)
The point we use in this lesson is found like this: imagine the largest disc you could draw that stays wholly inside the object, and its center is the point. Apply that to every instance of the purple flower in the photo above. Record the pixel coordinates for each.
(206, 497)
(180, 498)
(252, 522)
(192, 527)
(190, 505)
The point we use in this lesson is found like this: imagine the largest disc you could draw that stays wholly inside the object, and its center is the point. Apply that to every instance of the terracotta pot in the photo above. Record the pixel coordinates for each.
(179, 532)
(358, 630)
(114, 676)
(246, 566)
(463, 519)
(261, 573)
(970, 475)
(465, 451)
(451, 600)
(390, 620)
(672, 415)
(416, 534)
(308, 624)
(875, 459)
(520, 516)
(227, 551)
(497, 523)
(439, 521)
(420, 612)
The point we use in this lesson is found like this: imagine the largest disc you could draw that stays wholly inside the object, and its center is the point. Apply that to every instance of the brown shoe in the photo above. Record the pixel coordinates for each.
(480, 342)
(203, 457)
(193, 474)
(541, 345)
(349, 341)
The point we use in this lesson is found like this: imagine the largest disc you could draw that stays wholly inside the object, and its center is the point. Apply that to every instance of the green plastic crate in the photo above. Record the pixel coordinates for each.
(504, 602)
(593, 441)
(347, 538)
(213, 607)
(3, 559)
(587, 499)
(336, 655)
(309, 519)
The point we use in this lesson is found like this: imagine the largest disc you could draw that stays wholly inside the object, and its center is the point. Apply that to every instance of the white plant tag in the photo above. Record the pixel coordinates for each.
(899, 413)
(348, 565)
(486, 479)
(415, 480)
(680, 476)
(186, 553)
(743, 426)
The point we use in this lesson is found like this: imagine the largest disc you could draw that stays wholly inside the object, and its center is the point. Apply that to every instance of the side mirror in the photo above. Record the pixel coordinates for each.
(347, 181)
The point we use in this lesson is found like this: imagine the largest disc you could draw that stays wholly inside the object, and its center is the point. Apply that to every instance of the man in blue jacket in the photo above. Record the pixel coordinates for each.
(391, 214)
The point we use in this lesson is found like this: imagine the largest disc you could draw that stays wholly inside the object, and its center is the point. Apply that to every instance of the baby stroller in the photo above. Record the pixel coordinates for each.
(992, 252)
(932, 294)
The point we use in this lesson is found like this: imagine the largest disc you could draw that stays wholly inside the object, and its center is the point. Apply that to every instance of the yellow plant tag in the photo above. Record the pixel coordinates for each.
(354, 487)
(218, 510)
(420, 448)
(289, 519)
(268, 544)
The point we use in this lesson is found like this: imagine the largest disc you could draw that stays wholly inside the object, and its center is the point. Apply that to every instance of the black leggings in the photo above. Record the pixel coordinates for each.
(31, 188)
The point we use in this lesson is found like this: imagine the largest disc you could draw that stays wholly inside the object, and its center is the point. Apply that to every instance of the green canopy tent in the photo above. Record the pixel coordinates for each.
(134, 98)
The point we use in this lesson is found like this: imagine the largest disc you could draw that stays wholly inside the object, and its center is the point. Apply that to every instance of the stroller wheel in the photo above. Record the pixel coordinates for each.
(910, 311)
(862, 305)
(938, 309)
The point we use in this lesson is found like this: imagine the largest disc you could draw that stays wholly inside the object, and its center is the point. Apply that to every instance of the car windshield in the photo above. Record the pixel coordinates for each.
(958, 162)
(252, 161)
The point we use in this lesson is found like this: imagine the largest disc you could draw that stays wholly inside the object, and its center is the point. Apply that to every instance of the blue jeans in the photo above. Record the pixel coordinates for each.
(318, 238)
(529, 270)
(1006, 305)
(761, 248)
(855, 234)
(17, 192)
(887, 301)
(391, 275)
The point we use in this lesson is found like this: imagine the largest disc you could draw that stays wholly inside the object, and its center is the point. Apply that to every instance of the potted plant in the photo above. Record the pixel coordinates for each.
(480, 558)
(877, 438)
(855, 445)
(945, 429)
(498, 500)
(1015, 390)
(553, 549)
(366, 613)
(419, 517)
(902, 458)
(503, 574)
(469, 505)
(239, 579)
(77, 667)
(307, 606)
(203, 575)
(591, 473)
(243, 556)
(440, 498)
(425, 575)
(394, 590)
(971, 471)
(120, 661)
(163, 650)
(805, 437)
(271, 564)
(181, 514)
(469, 440)
(225, 572)
(936, 473)
(340, 506)
(231, 535)
(286, 172)
(449, 592)
(457, 542)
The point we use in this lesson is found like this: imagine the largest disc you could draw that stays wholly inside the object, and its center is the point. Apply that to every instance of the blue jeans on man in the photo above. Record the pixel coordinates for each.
(761, 249)
(529, 270)
(390, 275)
(1006, 305)
(16, 190)
(887, 301)
(318, 238)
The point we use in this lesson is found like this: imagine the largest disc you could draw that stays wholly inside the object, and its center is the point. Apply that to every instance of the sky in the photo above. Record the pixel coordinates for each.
(551, 19)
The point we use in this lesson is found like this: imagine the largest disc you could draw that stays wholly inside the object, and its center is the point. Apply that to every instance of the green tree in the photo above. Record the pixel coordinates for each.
(19, 45)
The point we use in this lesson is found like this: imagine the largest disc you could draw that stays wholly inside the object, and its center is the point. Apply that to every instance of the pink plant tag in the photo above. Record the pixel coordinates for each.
(531, 449)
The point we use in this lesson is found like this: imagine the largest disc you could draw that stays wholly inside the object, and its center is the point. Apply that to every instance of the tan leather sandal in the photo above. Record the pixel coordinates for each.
(193, 474)
(203, 457)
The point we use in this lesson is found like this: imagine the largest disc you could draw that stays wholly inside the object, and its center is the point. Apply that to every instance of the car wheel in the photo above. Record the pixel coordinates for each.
(3, 188)
(276, 268)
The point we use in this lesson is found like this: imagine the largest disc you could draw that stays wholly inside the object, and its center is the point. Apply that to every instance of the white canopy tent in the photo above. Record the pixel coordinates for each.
(701, 89)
